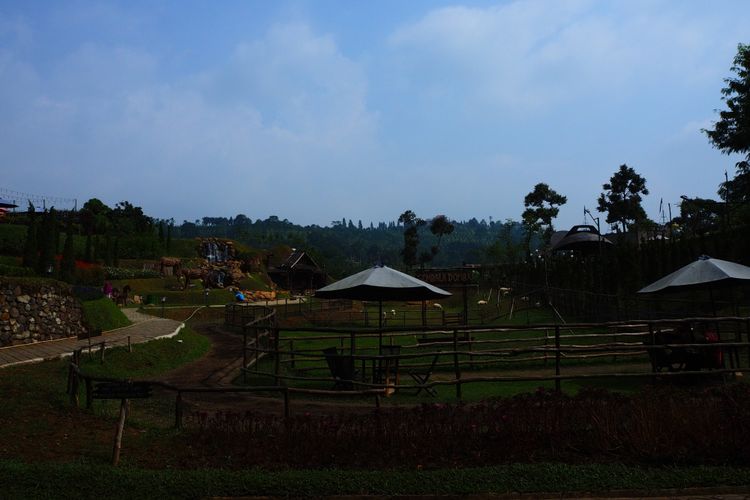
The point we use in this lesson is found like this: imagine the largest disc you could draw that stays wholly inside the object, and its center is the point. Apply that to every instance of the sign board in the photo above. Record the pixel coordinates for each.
(122, 390)
(447, 277)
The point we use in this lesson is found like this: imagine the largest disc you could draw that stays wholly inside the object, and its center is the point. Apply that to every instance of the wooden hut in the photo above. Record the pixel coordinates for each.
(298, 273)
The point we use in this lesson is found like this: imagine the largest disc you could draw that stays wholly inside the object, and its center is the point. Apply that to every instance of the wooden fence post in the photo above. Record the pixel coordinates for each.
(101, 353)
(456, 365)
(118, 434)
(557, 357)
(130, 345)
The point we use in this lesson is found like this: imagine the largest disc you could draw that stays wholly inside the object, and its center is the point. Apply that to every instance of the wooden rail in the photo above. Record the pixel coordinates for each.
(261, 338)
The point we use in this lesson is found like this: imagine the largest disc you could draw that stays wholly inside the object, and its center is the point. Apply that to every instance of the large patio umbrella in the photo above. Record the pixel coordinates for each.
(703, 272)
(381, 283)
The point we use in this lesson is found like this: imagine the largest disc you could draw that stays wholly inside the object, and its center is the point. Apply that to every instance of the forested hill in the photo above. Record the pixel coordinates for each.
(347, 246)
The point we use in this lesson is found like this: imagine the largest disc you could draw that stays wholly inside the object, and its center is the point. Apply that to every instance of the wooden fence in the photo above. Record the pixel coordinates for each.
(462, 350)
(469, 349)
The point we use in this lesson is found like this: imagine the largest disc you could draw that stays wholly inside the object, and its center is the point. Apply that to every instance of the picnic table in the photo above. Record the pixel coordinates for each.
(373, 368)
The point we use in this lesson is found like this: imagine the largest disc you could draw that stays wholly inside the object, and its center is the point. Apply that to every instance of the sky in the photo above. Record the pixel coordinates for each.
(315, 111)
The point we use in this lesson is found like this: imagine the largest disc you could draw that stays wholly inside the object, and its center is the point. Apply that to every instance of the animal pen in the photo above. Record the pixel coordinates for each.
(418, 364)
(418, 360)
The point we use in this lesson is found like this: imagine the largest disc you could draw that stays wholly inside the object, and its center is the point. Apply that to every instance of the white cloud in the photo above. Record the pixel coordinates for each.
(282, 110)
(533, 55)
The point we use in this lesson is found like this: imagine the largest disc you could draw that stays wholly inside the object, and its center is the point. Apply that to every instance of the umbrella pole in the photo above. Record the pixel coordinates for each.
(380, 328)
(713, 304)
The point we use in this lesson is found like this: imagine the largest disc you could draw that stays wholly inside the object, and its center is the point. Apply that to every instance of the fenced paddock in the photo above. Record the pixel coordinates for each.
(499, 355)
(459, 363)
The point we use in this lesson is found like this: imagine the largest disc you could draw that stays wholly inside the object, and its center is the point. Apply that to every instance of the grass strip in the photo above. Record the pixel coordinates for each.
(21, 480)
(151, 358)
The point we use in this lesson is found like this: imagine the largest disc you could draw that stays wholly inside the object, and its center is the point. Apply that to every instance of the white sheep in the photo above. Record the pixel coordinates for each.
(481, 302)
(437, 306)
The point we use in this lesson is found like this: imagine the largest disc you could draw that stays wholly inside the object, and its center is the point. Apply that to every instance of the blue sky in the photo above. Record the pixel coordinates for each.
(318, 110)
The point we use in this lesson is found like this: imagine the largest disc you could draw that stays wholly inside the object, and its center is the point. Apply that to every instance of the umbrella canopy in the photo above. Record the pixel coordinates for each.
(703, 271)
(7, 203)
(381, 283)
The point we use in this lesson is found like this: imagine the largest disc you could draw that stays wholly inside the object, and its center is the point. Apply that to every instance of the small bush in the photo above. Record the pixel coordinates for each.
(6, 270)
(103, 314)
(12, 239)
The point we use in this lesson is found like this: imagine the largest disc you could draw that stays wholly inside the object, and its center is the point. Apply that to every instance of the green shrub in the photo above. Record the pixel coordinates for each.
(12, 239)
(103, 314)
(6, 270)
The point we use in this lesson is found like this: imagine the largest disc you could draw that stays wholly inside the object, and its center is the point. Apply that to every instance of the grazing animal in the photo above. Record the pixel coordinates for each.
(481, 302)
(437, 306)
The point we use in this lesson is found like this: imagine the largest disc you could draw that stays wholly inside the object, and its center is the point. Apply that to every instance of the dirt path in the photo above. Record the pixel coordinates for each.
(221, 365)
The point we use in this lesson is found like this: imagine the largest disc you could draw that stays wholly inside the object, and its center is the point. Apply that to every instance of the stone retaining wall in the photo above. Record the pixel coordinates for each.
(33, 311)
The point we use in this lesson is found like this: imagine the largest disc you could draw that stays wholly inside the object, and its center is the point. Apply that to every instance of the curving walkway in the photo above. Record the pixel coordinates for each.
(143, 329)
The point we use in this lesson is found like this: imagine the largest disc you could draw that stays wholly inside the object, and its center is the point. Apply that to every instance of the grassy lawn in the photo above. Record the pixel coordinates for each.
(63, 481)
(42, 436)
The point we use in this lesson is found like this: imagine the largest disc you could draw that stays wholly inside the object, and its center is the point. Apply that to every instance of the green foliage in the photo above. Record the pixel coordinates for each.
(149, 359)
(10, 270)
(411, 224)
(622, 199)
(68, 261)
(439, 226)
(12, 239)
(731, 134)
(103, 314)
(31, 247)
(542, 205)
(46, 243)
(699, 216)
